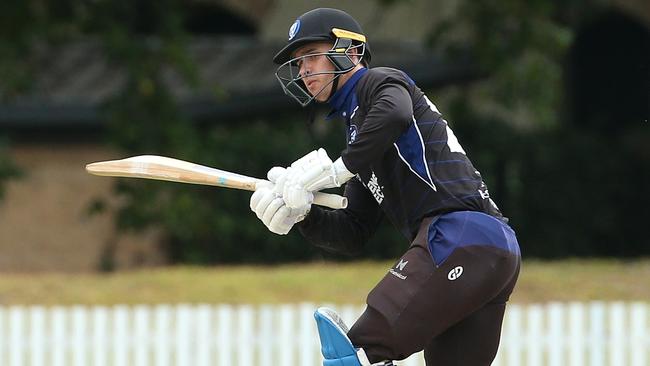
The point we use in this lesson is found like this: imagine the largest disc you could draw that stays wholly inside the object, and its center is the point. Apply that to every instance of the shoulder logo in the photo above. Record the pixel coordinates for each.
(455, 273)
(295, 27)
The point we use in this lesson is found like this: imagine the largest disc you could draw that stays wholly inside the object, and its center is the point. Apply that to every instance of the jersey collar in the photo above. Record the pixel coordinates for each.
(340, 101)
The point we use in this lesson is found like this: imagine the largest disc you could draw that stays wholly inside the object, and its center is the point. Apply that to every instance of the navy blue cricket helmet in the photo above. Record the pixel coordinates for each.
(322, 24)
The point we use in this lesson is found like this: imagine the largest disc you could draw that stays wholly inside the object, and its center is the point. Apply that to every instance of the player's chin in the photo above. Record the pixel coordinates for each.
(322, 95)
(321, 98)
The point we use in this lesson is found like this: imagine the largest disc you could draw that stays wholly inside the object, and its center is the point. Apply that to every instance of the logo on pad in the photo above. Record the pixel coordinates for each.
(399, 267)
(402, 263)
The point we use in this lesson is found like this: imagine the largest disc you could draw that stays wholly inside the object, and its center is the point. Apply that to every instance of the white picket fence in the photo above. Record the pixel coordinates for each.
(595, 334)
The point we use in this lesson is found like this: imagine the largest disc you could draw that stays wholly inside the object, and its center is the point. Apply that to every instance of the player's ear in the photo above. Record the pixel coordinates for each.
(355, 52)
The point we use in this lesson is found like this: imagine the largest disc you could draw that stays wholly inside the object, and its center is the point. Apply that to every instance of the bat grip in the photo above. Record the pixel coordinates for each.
(330, 200)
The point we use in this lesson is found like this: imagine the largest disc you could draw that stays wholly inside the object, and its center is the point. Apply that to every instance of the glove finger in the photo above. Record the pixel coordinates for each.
(271, 210)
(289, 195)
(264, 203)
(256, 197)
(286, 191)
(311, 175)
(275, 173)
(280, 184)
(282, 221)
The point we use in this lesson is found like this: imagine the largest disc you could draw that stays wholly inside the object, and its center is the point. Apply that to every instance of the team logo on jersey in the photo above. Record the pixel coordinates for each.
(352, 132)
(295, 27)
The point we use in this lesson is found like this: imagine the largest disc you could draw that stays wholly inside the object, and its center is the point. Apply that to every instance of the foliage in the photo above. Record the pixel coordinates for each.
(200, 224)
(207, 225)
(565, 194)
(19, 28)
(508, 122)
(520, 47)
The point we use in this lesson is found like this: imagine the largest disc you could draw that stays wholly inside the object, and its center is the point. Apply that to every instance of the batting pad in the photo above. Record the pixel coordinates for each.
(335, 345)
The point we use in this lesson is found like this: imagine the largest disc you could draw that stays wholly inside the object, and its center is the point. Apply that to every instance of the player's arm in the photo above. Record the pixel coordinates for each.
(343, 231)
(389, 115)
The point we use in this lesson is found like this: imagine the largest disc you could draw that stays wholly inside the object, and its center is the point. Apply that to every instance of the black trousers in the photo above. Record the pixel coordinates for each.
(453, 311)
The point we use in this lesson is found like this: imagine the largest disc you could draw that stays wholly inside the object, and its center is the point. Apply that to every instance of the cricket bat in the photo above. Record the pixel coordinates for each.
(175, 170)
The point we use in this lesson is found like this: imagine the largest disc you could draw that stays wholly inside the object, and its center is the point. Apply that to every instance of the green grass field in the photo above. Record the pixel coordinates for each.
(540, 281)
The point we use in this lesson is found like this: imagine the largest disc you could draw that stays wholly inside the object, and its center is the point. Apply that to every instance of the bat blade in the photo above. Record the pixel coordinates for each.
(175, 170)
(170, 169)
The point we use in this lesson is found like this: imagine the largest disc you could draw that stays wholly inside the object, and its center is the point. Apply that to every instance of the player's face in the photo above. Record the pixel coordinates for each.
(311, 65)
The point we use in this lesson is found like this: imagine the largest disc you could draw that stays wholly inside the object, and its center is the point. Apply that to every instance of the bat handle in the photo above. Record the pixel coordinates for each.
(330, 200)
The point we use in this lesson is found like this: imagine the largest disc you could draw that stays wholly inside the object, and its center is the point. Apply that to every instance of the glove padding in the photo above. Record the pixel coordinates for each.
(269, 206)
(311, 173)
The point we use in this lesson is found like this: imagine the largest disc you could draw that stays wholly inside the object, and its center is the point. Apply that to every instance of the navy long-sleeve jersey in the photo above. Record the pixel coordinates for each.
(407, 161)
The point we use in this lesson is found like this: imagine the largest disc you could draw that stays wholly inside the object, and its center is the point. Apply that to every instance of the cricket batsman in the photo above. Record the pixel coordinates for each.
(447, 293)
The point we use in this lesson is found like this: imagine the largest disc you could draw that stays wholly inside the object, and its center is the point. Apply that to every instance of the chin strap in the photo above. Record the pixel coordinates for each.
(311, 116)
(335, 85)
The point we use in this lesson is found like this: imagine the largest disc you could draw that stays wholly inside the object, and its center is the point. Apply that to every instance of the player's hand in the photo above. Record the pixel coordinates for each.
(311, 173)
(279, 176)
(269, 207)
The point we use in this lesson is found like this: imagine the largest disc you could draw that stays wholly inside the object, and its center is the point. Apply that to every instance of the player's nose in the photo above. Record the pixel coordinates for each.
(305, 70)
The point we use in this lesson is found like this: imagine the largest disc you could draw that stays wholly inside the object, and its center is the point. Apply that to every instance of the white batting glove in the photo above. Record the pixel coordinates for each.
(311, 173)
(279, 175)
(269, 207)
